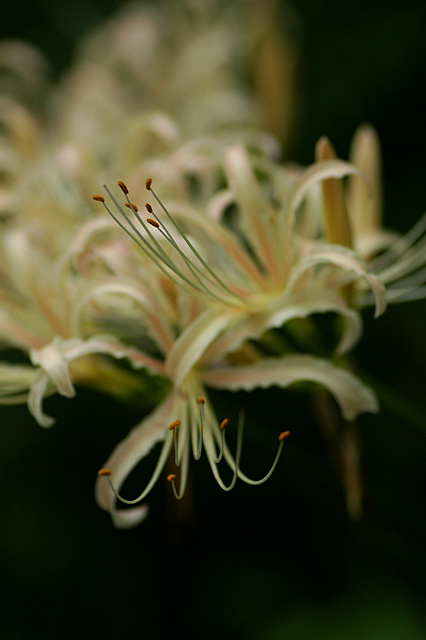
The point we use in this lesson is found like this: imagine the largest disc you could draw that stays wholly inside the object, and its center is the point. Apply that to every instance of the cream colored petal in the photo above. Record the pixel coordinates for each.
(349, 261)
(110, 345)
(192, 343)
(129, 518)
(365, 203)
(351, 394)
(54, 363)
(36, 395)
(14, 381)
(306, 180)
(256, 214)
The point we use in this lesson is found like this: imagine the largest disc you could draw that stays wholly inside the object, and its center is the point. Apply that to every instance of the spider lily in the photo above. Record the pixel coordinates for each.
(244, 283)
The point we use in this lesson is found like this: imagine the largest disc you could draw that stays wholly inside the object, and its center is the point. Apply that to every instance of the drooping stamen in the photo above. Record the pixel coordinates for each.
(281, 438)
(165, 452)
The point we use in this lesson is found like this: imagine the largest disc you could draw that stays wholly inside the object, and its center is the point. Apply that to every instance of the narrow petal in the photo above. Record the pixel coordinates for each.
(349, 261)
(53, 362)
(129, 518)
(308, 178)
(351, 394)
(192, 343)
(35, 399)
(256, 213)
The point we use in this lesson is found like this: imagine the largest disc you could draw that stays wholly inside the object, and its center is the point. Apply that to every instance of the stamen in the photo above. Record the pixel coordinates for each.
(173, 427)
(211, 276)
(164, 455)
(281, 438)
(153, 223)
(148, 207)
(283, 435)
(222, 428)
(98, 198)
(199, 446)
(123, 187)
(171, 477)
(131, 206)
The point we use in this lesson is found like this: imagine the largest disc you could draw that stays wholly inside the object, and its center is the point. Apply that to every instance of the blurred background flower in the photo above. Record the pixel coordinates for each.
(284, 562)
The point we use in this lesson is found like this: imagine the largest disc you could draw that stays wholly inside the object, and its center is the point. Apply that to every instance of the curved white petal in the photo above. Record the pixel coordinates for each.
(308, 178)
(352, 395)
(257, 216)
(111, 346)
(53, 362)
(348, 260)
(129, 518)
(192, 343)
(37, 392)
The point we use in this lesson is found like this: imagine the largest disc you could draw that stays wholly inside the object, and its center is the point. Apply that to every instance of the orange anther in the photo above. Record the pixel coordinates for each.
(104, 472)
(201, 400)
(148, 184)
(98, 198)
(148, 207)
(223, 424)
(283, 435)
(132, 206)
(171, 477)
(174, 424)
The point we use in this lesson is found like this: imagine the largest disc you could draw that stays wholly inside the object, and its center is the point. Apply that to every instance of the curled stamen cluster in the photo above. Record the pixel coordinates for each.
(199, 434)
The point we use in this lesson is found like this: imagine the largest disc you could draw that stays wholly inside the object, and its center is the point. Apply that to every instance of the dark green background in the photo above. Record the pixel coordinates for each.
(281, 561)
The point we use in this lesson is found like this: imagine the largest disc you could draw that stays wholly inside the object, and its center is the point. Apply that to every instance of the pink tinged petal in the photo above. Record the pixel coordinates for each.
(217, 233)
(150, 314)
(347, 260)
(256, 213)
(351, 394)
(307, 179)
(193, 342)
(133, 449)
(111, 346)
